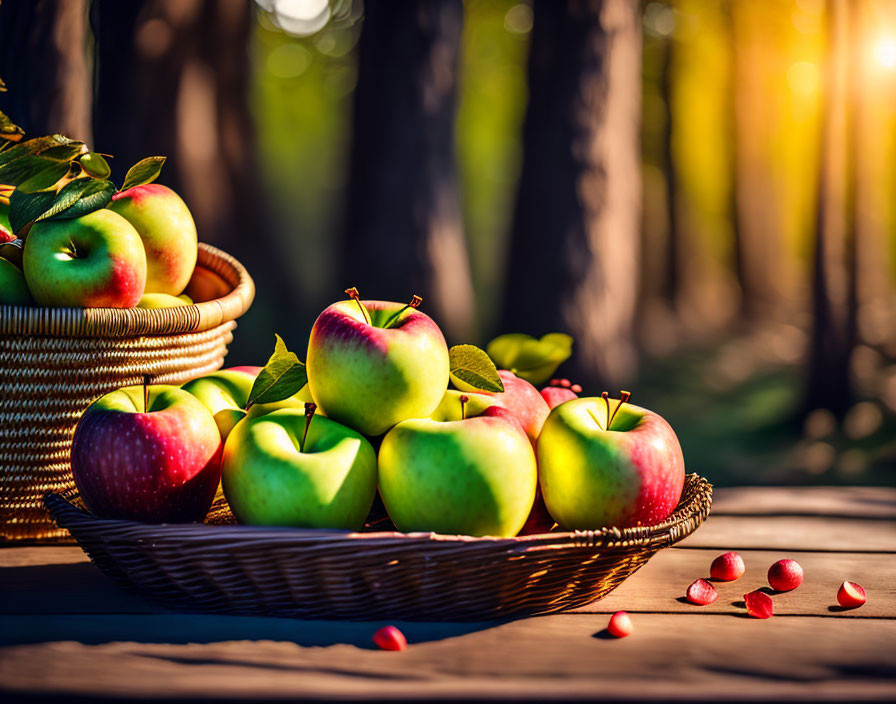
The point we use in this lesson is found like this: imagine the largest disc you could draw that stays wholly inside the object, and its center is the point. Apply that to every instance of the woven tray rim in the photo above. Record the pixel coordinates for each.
(691, 511)
(135, 322)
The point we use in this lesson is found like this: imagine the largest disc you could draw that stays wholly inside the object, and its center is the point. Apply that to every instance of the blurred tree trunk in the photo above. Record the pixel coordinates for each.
(44, 61)
(403, 231)
(834, 302)
(573, 257)
(672, 281)
(173, 79)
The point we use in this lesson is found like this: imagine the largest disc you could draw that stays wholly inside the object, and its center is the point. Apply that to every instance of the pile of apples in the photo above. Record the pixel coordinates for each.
(69, 238)
(310, 445)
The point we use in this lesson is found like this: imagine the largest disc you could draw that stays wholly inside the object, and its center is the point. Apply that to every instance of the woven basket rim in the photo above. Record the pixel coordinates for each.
(691, 511)
(133, 322)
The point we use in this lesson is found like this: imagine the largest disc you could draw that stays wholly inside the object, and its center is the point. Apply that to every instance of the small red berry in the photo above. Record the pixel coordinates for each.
(759, 604)
(702, 593)
(565, 383)
(554, 382)
(785, 575)
(390, 638)
(576, 388)
(851, 595)
(727, 567)
(620, 625)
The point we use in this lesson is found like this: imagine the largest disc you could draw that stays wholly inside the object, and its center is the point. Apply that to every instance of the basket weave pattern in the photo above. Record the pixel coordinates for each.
(334, 574)
(55, 361)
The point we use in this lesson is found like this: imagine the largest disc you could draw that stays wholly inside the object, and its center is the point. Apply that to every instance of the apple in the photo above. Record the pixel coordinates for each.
(469, 471)
(206, 285)
(96, 260)
(555, 395)
(271, 477)
(166, 227)
(226, 392)
(369, 376)
(163, 300)
(6, 235)
(591, 477)
(519, 397)
(155, 459)
(13, 288)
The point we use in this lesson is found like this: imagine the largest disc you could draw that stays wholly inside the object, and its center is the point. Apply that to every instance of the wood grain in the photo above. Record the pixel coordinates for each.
(668, 657)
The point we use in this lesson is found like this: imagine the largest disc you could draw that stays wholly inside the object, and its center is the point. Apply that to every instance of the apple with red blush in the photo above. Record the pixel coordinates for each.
(606, 462)
(150, 454)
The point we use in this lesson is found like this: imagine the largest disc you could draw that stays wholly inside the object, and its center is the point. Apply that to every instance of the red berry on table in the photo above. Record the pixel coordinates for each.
(851, 595)
(727, 567)
(576, 388)
(702, 593)
(620, 625)
(554, 382)
(785, 575)
(565, 383)
(390, 638)
(759, 604)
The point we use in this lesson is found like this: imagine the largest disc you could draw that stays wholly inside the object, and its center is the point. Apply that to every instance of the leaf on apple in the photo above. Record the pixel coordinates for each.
(474, 368)
(25, 208)
(529, 358)
(282, 376)
(48, 176)
(79, 197)
(144, 171)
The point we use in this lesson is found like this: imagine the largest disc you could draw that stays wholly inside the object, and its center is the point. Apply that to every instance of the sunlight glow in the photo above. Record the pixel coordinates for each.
(886, 52)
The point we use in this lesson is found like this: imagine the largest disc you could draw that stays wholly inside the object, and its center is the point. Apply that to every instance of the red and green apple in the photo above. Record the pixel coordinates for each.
(149, 454)
(94, 261)
(594, 473)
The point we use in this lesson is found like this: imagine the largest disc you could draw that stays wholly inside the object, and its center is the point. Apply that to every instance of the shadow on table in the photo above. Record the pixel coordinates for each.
(76, 602)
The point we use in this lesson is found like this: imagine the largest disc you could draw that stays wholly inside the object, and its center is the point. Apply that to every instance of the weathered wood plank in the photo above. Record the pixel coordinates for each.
(794, 533)
(845, 501)
(659, 586)
(669, 657)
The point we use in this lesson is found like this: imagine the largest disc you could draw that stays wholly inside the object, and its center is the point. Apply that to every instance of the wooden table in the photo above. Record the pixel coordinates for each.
(67, 630)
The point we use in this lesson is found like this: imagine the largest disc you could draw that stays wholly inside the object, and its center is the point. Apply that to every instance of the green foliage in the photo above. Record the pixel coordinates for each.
(144, 171)
(282, 376)
(529, 358)
(471, 369)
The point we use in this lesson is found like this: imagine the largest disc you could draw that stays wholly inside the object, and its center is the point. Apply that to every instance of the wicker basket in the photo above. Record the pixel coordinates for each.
(55, 361)
(368, 575)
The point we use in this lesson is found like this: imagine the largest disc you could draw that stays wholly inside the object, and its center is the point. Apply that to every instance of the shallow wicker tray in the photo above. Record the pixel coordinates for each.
(55, 361)
(367, 575)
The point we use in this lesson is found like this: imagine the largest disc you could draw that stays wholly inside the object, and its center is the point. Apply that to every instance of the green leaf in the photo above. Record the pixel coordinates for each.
(144, 171)
(45, 178)
(95, 165)
(25, 208)
(38, 145)
(282, 376)
(529, 358)
(20, 170)
(473, 368)
(80, 197)
(64, 152)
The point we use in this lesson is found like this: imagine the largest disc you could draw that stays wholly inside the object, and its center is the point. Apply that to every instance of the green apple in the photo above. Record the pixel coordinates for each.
(469, 471)
(592, 477)
(94, 261)
(372, 374)
(166, 227)
(226, 392)
(13, 289)
(163, 300)
(271, 477)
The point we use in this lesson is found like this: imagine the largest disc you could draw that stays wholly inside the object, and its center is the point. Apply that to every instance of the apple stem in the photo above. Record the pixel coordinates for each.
(356, 297)
(146, 393)
(624, 396)
(606, 397)
(463, 406)
(415, 302)
(309, 414)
